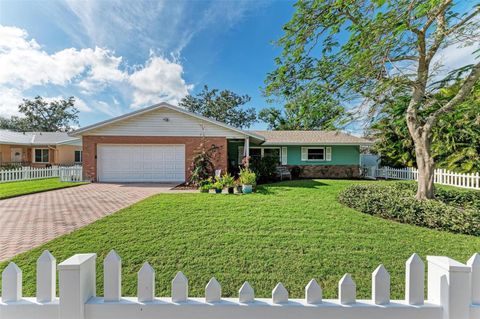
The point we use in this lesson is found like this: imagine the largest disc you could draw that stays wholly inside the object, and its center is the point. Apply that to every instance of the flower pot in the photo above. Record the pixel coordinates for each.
(230, 190)
(247, 189)
(218, 191)
(239, 189)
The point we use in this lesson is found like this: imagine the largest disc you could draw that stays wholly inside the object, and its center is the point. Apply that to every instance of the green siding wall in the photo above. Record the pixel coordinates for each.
(341, 155)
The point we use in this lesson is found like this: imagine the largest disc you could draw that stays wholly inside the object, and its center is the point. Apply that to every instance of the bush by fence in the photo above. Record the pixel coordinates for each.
(454, 211)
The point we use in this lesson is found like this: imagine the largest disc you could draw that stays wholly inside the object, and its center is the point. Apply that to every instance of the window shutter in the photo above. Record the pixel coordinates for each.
(304, 153)
(328, 153)
(284, 156)
(240, 154)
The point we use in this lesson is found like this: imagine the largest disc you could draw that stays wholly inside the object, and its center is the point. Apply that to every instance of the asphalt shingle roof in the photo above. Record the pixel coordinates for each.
(310, 137)
(33, 138)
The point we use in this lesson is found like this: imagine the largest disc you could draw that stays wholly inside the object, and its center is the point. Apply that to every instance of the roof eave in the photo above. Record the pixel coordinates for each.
(266, 143)
(79, 132)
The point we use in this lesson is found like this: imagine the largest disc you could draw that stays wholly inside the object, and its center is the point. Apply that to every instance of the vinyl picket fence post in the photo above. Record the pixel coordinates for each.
(449, 285)
(77, 282)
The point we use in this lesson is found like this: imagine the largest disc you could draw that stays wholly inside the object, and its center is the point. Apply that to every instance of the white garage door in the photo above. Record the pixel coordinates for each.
(141, 163)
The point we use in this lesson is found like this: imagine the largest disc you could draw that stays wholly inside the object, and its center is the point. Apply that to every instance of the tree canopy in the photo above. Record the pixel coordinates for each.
(374, 51)
(456, 138)
(39, 115)
(306, 112)
(225, 106)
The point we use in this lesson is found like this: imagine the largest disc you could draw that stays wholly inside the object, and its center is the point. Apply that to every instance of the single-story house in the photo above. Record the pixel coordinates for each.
(39, 149)
(158, 143)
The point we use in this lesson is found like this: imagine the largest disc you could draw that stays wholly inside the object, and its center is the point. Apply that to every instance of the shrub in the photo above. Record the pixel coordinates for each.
(295, 171)
(203, 162)
(265, 168)
(452, 211)
(8, 167)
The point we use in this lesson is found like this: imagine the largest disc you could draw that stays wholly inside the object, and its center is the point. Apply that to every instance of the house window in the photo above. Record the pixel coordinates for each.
(261, 152)
(78, 156)
(272, 152)
(41, 155)
(255, 153)
(316, 154)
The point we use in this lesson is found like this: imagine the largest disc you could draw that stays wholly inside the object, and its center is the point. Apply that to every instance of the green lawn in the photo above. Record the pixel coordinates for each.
(288, 232)
(12, 189)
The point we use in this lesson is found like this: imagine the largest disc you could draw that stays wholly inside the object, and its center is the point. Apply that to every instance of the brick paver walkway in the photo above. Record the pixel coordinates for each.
(31, 220)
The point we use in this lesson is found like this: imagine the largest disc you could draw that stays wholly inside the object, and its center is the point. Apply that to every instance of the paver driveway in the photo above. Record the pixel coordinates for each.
(31, 220)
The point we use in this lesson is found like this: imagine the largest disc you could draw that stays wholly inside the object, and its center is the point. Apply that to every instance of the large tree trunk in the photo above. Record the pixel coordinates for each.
(426, 168)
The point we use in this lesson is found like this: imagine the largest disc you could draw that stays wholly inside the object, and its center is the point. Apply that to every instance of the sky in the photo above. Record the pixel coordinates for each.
(118, 56)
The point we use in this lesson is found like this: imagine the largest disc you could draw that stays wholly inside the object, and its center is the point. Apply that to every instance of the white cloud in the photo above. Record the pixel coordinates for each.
(159, 80)
(453, 57)
(24, 65)
(164, 25)
(10, 98)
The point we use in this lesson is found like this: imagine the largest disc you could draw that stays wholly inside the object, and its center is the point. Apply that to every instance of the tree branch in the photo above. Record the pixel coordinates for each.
(462, 22)
(433, 17)
(438, 37)
(467, 86)
(403, 58)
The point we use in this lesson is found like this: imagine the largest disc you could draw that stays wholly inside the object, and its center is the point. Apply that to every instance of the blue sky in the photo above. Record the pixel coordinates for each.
(117, 56)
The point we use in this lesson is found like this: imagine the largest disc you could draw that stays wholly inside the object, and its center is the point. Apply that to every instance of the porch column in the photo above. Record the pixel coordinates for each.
(246, 151)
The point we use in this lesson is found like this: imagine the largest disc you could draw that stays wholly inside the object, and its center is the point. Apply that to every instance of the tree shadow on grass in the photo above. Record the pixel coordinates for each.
(273, 188)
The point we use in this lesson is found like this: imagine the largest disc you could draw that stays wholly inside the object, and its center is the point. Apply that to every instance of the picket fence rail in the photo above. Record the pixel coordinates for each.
(26, 173)
(441, 176)
(453, 293)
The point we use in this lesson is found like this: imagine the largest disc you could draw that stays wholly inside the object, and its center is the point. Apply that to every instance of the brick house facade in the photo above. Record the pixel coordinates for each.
(192, 145)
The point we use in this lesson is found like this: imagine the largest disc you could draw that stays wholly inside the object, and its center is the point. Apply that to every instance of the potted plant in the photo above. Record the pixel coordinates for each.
(205, 185)
(248, 179)
(217, 186)
(229, 182)
(238, 186)
(205, 188)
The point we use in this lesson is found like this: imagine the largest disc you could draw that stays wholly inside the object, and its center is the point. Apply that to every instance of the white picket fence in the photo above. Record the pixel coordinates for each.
(453, 293)
(71, 174)
(66, 173)
(441, 176)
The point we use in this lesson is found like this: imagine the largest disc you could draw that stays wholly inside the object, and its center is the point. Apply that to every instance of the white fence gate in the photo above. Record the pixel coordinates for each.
(71, 174)
(66, 173)
(453, 293)
(441, 176)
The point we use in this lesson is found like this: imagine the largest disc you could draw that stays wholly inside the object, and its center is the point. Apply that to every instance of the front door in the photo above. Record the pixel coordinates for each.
(16, 154)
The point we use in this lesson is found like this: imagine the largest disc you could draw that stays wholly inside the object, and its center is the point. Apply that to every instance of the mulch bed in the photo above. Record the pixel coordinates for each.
(185, 186)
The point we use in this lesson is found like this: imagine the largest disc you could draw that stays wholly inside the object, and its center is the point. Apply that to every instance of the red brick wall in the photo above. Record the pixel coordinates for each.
(191, 145)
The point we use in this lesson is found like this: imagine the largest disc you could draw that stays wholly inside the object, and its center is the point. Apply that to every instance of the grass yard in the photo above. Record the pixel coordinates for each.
(289, 232)
(12, 189)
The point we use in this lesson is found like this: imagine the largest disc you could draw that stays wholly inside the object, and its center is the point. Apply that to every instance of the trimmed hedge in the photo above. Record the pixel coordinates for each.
(457, 211)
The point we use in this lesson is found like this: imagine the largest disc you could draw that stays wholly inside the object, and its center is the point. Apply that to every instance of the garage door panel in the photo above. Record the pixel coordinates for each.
(141, 163)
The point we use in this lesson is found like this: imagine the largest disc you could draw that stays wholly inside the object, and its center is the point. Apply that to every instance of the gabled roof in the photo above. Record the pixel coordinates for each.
(35, 138)
(86, 129)
(311, 138)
